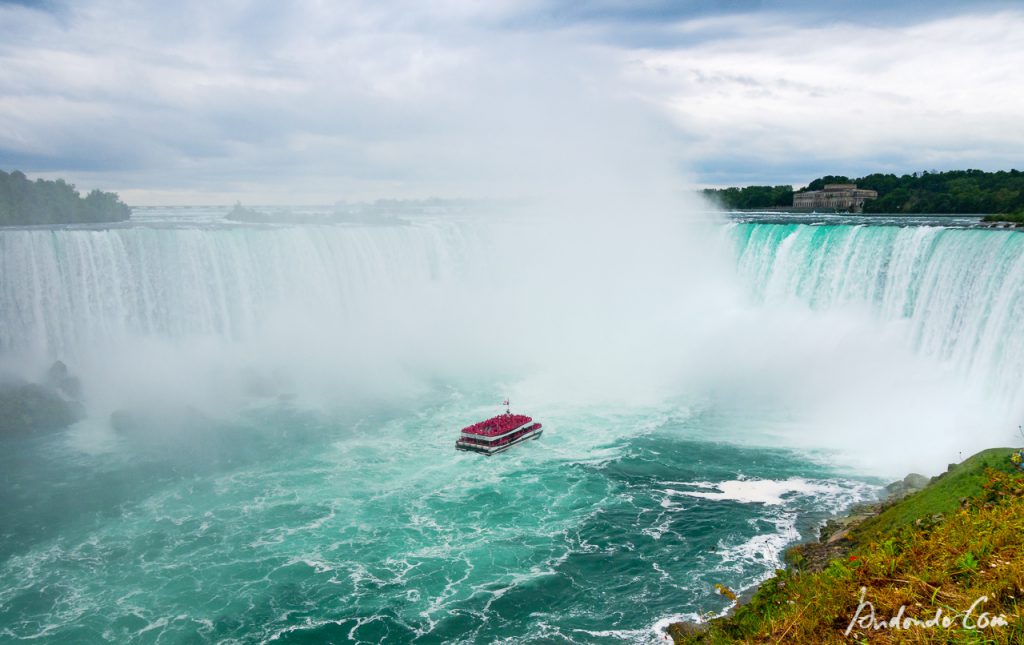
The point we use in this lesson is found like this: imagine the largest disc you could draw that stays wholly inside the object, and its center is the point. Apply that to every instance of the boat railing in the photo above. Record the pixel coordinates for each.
(503, 440)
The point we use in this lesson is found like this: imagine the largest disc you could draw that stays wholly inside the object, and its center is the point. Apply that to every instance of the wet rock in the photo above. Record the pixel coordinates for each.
(683, 631)
(27, 408)
(855, 515)
(909, 484)
(815, 556)
(59, 378)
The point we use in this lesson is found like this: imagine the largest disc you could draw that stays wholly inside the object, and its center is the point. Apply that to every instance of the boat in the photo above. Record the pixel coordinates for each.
(498, 434)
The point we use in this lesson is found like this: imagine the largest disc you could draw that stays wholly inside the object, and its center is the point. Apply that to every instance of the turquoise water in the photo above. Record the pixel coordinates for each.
(957, 292)
(268, 455)
(291, 528)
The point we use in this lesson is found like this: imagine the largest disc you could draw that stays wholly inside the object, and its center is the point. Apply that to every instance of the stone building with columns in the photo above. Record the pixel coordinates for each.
(837, 197)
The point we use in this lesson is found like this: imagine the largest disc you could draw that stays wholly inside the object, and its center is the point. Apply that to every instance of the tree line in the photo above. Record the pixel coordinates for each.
(751, 196)
(23, 201)
(952, 191)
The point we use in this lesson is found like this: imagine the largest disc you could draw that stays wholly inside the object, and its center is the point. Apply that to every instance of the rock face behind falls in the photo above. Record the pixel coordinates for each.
(27, 408)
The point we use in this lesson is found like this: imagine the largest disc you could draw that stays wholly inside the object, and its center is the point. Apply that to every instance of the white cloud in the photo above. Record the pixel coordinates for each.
(941, 93)
(320, 101)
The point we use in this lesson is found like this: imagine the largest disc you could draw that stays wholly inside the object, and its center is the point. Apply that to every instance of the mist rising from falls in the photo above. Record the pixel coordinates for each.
(183, 312)
(70, 289)
(893, 346)
(905, 340)
(341, 313)
(959, 294)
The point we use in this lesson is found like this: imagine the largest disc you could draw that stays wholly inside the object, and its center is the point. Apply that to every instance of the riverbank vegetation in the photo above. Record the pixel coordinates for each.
(25, 202)
(1016, 219)
(953, 191)
(751, 197)
(954, 549)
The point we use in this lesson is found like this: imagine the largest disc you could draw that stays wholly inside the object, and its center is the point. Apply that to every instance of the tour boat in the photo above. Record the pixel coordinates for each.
(498, 434)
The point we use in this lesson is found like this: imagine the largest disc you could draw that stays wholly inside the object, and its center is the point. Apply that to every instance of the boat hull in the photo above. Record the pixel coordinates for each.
(493, 450)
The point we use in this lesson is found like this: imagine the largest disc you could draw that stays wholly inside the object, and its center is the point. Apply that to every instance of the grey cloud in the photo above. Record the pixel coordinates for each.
(389, 98)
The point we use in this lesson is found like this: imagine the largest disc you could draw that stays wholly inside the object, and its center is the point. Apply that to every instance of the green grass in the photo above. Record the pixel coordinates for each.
(959, 539)
(943, 495)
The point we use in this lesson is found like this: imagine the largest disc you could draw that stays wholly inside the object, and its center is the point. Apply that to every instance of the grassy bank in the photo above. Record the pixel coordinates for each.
(939, 550)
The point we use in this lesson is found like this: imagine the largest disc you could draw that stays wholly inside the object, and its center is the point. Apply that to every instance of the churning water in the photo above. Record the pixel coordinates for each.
(269, 455)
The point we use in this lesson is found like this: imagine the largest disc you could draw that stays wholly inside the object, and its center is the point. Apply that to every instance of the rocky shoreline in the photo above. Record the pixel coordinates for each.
(834, 537)
(836, 540)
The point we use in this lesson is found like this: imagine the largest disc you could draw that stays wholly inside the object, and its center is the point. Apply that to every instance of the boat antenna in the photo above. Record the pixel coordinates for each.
(508, 408)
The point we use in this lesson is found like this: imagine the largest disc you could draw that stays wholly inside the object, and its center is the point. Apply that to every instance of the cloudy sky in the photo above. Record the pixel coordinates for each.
(314, 101)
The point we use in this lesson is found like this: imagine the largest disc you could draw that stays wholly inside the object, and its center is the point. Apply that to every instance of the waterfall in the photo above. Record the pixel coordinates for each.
(62, 291)
(959, 293)
(440, 299)
(806, 318)
(205, 315)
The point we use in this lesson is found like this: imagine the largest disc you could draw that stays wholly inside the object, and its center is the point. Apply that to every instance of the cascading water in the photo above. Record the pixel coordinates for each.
(250, 498)
(384, 306)
(959, 292)
(66, 290)
(172, 312)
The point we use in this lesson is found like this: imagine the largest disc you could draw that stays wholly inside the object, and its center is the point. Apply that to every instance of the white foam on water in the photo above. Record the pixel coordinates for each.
(757, 491)
(762, 551)
(758, 556)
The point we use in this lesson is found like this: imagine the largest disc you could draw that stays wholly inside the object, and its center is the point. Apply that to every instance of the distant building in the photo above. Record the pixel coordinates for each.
(839, 197)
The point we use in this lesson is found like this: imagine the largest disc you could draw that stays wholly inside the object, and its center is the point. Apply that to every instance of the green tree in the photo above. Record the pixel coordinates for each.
(752, 196)
(54, 202)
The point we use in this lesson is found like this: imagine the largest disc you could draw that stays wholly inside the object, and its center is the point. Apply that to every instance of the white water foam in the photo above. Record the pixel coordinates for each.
(757, 491)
